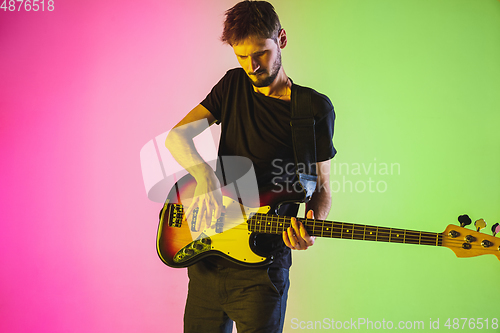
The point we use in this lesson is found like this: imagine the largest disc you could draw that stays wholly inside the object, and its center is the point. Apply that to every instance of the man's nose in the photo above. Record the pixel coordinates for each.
(255, 65)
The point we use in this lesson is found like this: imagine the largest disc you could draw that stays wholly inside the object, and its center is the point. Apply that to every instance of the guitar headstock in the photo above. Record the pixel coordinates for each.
(471, 243)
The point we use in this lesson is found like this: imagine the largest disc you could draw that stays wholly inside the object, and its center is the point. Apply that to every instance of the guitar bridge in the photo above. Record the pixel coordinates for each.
(175, 216)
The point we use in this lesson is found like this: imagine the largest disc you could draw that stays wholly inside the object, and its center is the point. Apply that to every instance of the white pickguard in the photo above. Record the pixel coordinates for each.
(234, 239)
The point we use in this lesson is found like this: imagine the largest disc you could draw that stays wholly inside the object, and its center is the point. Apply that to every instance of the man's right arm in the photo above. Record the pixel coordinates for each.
(179, 142)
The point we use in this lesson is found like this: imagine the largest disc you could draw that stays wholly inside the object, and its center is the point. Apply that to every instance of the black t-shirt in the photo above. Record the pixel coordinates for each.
(258, 127)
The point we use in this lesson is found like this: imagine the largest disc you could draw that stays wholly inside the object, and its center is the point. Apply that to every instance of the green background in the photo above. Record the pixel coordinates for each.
(416, 84)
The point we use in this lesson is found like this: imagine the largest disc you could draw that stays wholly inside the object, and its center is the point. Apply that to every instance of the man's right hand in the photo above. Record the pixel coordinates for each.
(207, 198)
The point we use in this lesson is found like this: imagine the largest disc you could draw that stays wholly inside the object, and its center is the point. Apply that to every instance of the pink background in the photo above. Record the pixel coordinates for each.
(82, 90)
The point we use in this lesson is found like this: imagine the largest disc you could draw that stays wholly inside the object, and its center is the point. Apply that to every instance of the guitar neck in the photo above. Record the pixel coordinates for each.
(273, 224)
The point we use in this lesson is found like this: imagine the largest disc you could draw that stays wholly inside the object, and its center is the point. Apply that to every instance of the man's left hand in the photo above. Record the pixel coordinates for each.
(296, 236)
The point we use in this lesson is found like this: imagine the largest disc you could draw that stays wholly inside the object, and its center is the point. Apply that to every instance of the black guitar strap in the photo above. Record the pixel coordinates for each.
(303, 137)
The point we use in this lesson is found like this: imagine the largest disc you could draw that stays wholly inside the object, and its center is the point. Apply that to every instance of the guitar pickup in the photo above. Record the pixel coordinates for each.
(195, 217)
(219, 225)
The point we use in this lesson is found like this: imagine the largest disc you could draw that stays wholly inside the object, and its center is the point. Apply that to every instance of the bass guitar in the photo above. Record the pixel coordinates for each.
(233, 234)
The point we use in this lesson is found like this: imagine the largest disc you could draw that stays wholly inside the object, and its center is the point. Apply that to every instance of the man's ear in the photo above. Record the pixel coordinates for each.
(282, 39)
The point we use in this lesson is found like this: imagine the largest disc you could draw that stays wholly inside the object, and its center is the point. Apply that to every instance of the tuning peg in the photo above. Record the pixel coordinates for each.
(480, 224)
(495, 228)
(464, 220)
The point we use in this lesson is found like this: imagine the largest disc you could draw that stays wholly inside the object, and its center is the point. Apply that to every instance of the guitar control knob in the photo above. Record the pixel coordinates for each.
(495, 228)
(464, 220)
(453, 234)
(480, 224)
(486, 243)
(469, 238)
(466, 246)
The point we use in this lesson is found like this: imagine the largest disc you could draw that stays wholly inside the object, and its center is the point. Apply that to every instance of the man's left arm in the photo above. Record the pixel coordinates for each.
(321, 200)
(296, 236)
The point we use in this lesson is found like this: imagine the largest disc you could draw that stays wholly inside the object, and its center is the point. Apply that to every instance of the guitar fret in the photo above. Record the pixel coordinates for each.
(413, 237)
(382, 235)
(358, 232)
(351, 231)
(286, 223)
(337, 230)
(372, 233)
(397, 235)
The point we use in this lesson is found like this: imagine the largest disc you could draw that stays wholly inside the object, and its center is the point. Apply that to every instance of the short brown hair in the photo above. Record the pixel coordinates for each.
(250, 19)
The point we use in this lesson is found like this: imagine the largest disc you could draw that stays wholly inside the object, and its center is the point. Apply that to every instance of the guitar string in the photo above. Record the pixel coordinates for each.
(343, 225)
(455, 243)
(411, 236)
(340, 227)
(383, 233)
(271, 221)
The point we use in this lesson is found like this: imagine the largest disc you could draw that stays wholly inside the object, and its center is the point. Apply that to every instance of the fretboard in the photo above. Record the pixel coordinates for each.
(273, 224)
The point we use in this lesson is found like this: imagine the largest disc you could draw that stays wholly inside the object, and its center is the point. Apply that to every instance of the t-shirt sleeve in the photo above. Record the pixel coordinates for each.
(213, 101)
(324, 115)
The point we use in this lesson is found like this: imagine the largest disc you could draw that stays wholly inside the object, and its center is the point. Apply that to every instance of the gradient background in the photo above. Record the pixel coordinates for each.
(85, 87)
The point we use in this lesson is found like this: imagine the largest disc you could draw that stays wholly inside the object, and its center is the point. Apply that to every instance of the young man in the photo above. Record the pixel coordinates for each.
(252, 104)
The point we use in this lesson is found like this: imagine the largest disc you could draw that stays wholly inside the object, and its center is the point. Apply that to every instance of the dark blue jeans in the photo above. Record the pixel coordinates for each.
(255, 298)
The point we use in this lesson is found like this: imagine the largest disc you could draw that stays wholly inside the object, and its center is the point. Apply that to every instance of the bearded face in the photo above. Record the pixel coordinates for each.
(265, 76)
(260, 58)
